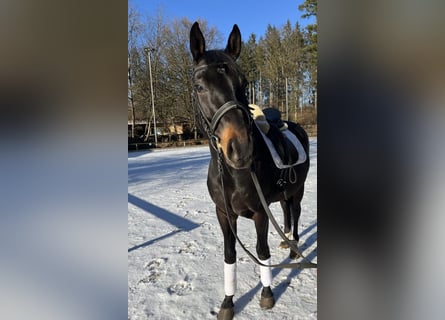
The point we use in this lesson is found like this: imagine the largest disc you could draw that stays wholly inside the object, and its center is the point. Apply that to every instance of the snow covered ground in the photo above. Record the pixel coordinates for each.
(175, 245)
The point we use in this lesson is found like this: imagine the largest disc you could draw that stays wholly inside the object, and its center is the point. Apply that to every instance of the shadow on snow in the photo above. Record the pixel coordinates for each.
(278, 291)
(181, 223)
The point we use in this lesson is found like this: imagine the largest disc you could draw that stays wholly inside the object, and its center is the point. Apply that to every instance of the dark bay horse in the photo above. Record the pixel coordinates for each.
(237, 148)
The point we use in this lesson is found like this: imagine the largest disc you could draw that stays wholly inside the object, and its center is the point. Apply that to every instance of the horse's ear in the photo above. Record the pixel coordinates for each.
(233, 47)
(197, 42)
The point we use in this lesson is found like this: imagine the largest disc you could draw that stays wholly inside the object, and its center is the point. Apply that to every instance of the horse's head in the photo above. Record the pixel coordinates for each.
(220, 96)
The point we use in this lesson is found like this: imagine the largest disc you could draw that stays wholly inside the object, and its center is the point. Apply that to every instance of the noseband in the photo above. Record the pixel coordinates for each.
(211, 126)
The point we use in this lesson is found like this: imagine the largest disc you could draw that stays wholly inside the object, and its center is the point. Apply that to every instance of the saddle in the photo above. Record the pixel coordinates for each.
(285, 148)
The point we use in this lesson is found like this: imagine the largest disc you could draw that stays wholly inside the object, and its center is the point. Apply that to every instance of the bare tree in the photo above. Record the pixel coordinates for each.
(281, 67)
(135, 28)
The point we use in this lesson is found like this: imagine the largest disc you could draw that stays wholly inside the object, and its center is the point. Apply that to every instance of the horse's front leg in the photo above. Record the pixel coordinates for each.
(262, 226)
(226, 312)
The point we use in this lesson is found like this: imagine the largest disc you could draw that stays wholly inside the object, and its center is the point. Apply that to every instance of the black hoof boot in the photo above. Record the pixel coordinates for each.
(226, 312)
(267, 300)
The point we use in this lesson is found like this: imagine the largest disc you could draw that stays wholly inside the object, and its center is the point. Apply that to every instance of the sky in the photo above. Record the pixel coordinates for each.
(251, 16)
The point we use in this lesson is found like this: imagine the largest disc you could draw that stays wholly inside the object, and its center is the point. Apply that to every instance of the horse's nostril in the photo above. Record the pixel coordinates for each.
(232, 150)
(236, 155)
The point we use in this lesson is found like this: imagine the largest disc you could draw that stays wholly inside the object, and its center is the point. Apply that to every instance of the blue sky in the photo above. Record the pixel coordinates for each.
(252, 16)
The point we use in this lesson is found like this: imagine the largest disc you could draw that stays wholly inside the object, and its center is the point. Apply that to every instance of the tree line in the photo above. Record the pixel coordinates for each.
(281, 67)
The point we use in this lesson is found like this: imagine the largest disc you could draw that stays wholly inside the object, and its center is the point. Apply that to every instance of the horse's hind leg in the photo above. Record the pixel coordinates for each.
(296, 212)
(226, 312)
(267, 300)
(287, 215)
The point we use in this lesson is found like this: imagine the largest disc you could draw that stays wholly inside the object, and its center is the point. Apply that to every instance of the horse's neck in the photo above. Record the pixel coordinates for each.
(260, 149)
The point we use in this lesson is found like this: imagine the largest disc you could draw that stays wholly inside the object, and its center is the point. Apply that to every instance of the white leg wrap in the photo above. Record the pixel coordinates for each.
(229, 279)
(266, 273)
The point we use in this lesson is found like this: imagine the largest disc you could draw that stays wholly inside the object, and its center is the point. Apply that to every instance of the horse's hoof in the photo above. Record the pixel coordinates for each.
(225, 314)
(267, 300)
(293, 254)
(284, 245)
(267, 303)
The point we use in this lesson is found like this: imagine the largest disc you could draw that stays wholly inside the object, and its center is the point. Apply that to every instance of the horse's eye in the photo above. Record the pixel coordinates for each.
(199, 88)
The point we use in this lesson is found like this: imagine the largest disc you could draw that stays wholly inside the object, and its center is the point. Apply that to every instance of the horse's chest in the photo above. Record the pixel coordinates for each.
(244, 203)
(240, 199)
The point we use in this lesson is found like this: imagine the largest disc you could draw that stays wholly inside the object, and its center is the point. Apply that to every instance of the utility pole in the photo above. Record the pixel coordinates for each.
(148, 52)
(287, 103)
(260, 93)
(130, 89)
(253, 93)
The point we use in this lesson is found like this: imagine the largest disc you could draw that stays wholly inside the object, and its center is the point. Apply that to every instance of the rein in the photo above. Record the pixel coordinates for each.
(301, 265)
(296, 265)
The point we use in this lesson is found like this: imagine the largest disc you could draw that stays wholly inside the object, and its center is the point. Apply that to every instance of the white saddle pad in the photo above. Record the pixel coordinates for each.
(276, 158)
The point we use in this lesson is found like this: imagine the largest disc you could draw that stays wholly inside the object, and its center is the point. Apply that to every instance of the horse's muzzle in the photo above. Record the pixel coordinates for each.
(239, 164)
(238, 153)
